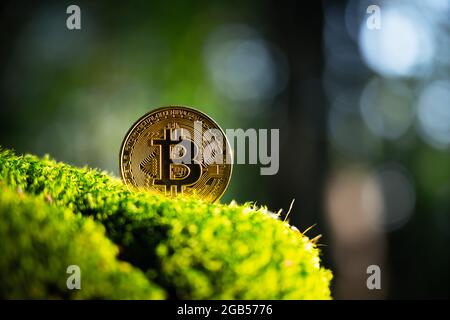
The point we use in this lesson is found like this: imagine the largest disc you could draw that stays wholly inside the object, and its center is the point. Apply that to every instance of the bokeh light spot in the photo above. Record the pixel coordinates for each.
(402, 47)
(389, 198)
(434, 114)
(243, 66)
(387, 108)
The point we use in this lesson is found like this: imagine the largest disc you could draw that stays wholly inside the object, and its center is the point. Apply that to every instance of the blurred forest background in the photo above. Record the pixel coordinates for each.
(364, 114)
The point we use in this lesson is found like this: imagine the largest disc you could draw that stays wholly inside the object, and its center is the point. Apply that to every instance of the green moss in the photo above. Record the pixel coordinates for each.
(191, 248)
(39, 242)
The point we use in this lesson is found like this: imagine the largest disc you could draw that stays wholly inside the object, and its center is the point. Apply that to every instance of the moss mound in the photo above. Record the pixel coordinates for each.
(39, 242)
(190, 248)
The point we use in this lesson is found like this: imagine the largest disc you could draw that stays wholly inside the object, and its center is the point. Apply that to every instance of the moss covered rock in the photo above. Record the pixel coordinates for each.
(190, 248)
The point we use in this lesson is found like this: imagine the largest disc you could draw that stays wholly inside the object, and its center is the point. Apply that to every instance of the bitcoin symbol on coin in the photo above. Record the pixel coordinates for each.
(168, 165)
(177, 151)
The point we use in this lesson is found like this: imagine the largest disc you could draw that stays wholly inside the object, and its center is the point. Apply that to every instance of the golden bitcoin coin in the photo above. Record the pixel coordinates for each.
(177, 151)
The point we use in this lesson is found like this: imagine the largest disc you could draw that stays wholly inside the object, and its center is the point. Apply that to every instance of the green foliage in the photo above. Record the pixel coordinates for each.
(191, 248)
(39, 242)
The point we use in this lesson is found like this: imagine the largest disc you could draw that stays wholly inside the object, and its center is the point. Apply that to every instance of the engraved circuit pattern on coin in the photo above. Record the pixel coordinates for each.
(177, 150)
